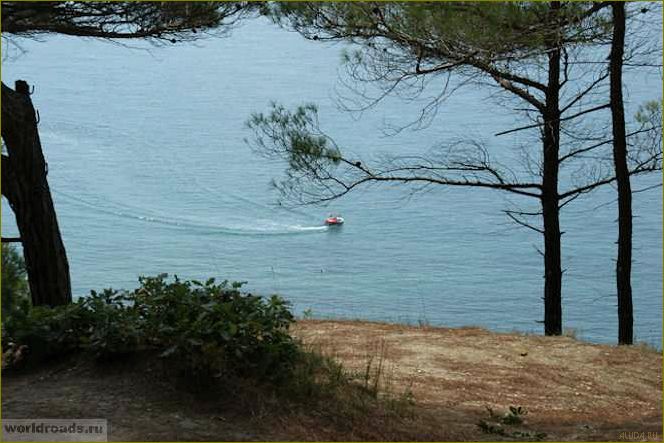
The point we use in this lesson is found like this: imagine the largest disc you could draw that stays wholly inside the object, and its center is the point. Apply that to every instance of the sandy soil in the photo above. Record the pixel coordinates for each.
(571, 390)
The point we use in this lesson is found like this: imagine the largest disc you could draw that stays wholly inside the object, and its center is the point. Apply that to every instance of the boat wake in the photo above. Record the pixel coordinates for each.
(213, 196)
(257, 227)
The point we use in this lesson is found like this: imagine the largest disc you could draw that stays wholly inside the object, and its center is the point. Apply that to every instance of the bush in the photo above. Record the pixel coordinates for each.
(108, 324)
(44, 331)
(15, 293)
(215, 329)
(207, 329)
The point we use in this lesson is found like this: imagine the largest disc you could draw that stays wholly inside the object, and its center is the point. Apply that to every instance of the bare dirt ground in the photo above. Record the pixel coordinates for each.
(572, 390)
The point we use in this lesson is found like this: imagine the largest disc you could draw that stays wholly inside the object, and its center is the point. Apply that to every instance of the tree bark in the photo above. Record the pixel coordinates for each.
(550, 197)
(624, 262)
(25, 186)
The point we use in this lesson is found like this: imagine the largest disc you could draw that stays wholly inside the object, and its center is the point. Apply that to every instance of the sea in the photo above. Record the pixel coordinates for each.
(151, 172)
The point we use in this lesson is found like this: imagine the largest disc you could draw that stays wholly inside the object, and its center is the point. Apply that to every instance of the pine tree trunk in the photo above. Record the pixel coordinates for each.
(550, 197)
(25, 186)
(624, 262)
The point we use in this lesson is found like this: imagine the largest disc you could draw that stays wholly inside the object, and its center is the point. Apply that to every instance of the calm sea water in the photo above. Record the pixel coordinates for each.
(150, 174)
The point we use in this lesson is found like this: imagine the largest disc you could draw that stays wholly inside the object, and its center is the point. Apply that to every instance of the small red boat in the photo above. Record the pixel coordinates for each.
(334, 220)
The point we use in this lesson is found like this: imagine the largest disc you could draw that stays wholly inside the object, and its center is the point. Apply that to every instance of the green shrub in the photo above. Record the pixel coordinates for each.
(205, 329)
(215, 329)
(15, 293)
(108, 324)
(45, 331)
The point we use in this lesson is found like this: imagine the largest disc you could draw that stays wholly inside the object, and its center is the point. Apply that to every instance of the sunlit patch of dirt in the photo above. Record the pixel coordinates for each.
(572, 390)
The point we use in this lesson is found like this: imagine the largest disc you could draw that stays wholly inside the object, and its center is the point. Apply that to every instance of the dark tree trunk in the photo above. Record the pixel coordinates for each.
(624, 263)
(550, 197)
(25, 186)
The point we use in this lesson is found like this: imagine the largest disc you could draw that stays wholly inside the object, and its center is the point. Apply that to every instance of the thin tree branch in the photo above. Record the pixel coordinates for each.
(597, 145)
(570, 117)
(522, 223)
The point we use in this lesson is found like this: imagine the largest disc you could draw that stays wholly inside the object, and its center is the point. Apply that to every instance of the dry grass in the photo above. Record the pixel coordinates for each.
(572, 390)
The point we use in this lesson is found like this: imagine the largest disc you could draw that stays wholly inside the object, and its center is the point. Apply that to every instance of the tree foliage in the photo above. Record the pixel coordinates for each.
(167, 21)
(399, 45)
(14, 280)
(531, 52)
(407, 46)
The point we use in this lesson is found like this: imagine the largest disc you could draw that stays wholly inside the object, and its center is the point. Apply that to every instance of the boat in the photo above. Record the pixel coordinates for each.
(334, 220)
